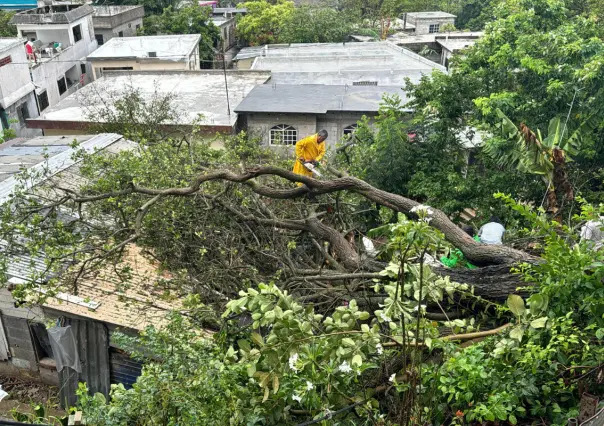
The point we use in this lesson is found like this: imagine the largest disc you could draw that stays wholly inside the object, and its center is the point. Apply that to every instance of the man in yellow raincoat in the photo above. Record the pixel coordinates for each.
(309, 150)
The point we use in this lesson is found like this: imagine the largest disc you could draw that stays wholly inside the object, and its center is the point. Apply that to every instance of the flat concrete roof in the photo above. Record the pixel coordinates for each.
(430, 15)
(454, 44)
(166, 47)
(195, 93)
(343, 63)
(404, 39)
(52, 14)
(315, 98)
(112, 10)
(9, 43)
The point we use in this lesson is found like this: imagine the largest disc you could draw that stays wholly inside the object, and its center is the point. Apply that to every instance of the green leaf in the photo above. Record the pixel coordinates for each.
(517, 333)
(516, 305)
(512, 419)
(363, 316)
(539, 322)
(251, 370)
(257, 339)
(347, 341)
(356, 360)
(244, 345)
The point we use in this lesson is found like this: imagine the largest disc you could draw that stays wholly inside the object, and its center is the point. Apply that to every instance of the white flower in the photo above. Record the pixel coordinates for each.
(428, 220)
(309, 386)
(345, 367)
(423, 307)
(379, 348)
(293, 359)
(385, 317)
(392, 378)
(297, 398)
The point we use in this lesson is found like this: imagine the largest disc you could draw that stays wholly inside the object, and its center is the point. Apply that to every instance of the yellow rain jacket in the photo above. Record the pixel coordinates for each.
(309, 149)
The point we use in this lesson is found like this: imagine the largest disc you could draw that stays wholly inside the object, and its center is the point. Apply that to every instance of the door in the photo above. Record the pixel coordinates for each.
(4, 351)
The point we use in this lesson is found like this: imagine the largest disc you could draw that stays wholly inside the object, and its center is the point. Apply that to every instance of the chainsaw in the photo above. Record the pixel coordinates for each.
(312, 168)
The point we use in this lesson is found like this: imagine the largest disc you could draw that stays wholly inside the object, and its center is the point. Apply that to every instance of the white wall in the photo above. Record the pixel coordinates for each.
(422, 26)
(15, 75)
(46, 74)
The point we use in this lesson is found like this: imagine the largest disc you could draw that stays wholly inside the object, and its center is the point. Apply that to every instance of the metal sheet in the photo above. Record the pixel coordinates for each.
(124, 369)
(93, 342)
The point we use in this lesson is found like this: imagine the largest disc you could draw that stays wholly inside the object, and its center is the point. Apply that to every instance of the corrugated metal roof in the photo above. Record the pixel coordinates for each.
(29, 154)
(136, 300)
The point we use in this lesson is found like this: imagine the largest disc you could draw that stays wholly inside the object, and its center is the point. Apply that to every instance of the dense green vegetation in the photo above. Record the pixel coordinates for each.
(307, 324)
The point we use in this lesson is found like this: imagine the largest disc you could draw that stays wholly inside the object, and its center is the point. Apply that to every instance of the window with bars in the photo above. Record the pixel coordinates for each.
(43, 100)
(364, 83)
(283, 134)
(434, 28)
(6, 60)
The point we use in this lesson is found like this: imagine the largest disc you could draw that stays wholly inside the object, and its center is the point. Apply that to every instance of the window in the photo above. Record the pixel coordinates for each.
(120, 34)
(349, 130)
(434, 28)
(283, 134)
(83, 68)
(6, 60)
(43, 100)
(99, 39)
(4, 119)
(138, 26)
(22, 113)
(41, 341)
(62, 85)
(77, 33)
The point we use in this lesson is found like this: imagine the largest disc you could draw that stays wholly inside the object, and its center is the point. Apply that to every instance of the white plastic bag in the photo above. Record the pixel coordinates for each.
(64, 348)
(3, 393)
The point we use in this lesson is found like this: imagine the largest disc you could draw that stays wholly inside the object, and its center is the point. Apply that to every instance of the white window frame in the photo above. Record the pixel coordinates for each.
(433, 28)
(288, 135)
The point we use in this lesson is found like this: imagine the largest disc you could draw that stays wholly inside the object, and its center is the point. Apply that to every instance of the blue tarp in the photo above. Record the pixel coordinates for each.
(18, 4)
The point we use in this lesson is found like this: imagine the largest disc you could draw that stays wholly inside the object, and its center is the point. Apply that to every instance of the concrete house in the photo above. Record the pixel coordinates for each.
(428, 22)
(281, 114)
(62, 37)
(372, 63)
(17, 92)
(104, 302)
(116, 21)
(203, 99)
(148, 53)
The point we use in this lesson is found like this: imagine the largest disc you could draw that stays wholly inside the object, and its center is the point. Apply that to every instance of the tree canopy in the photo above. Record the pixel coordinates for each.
(337, 301)
(186, 20)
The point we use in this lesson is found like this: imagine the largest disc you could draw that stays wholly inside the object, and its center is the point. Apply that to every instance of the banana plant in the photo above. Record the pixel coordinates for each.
(531, 152)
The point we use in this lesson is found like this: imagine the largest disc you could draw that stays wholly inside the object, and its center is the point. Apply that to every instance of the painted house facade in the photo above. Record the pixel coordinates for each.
(61, 37)
(17, 92)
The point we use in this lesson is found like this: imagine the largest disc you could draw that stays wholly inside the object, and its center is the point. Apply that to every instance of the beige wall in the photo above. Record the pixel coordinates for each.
(245, 64)
(138, 66)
